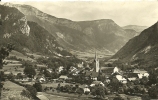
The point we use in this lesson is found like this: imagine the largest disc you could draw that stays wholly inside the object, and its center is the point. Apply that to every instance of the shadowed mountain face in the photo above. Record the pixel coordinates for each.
(27, 36)
(141, 49)
(104, 35)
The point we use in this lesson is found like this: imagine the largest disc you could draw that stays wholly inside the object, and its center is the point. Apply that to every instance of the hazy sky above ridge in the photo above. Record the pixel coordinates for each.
(142, 13)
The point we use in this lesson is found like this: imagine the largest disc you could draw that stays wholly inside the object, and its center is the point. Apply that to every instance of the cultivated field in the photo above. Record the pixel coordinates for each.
(14, 68)
(20, 55)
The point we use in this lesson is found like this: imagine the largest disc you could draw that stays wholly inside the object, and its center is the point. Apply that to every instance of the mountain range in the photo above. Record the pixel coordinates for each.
(103, 35)
(142, 49)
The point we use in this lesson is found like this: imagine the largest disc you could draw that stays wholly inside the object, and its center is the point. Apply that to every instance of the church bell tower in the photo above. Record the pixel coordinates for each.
(96, 63)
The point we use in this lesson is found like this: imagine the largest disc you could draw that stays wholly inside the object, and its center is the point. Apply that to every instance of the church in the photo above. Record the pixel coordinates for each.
(94, 72)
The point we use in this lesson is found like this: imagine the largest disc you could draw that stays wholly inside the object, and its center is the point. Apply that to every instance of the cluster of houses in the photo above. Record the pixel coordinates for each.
(93, 73)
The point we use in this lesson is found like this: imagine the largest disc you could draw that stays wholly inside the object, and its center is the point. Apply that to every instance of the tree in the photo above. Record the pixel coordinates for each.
(136, 82)
(4, 52)
(153, 76)
(26, 93)
(144, 81)
(32, 90)
(109, 65)
(98, 91)
(26, 63)
(38, 87)
(118, 98)
(47, 73)
(19, 76)
(80, 91)
(30, 71)
(115, 84)
(153, 92)
(101, 77)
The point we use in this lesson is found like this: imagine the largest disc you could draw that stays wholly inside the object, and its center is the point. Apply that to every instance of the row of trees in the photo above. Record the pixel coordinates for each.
(53, 62)
(4, 52)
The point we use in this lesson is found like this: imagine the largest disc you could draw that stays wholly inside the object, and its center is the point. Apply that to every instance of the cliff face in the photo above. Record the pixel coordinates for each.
(13, 22)
(24, 27)
(26, 35)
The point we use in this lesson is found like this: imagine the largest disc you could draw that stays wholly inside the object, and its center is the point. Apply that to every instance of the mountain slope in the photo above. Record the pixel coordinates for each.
(142, 48)
(26, 35)
(137, 28)
(131, 33)
(104, 35)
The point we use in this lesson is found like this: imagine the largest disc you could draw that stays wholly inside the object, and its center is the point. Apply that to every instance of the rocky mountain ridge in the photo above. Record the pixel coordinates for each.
(102, 35)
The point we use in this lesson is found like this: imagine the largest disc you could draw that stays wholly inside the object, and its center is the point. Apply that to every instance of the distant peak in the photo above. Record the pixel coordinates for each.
(10, 4)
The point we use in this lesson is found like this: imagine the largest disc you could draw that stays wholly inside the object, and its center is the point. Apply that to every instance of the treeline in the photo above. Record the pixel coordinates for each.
(53, 62)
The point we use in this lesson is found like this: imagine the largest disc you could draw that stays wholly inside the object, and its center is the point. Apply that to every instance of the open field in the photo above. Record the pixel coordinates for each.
(54, 85)
(66, 96)
(13, 68)
(13, 90)
(20, 55)
(89, 55)
(35, 55)
(12, 86)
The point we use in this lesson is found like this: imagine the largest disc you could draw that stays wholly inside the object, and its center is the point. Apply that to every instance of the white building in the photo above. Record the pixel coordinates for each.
(121, 79)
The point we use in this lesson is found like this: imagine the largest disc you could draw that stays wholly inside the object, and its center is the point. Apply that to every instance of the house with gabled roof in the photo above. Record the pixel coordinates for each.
(131, 76)
(110, 70)
(141, 73)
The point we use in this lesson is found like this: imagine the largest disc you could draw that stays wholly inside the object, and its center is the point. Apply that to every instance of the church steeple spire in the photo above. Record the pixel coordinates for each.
(96, 55)
(96, 62)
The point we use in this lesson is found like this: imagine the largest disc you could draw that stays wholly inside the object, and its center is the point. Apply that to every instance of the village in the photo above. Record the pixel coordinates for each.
(95, 81)
(78, 50)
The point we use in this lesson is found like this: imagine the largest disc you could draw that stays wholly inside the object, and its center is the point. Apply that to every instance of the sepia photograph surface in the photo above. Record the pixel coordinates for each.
(78, 50)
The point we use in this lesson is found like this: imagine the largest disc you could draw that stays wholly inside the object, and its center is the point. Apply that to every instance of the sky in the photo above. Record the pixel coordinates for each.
(131, 12)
